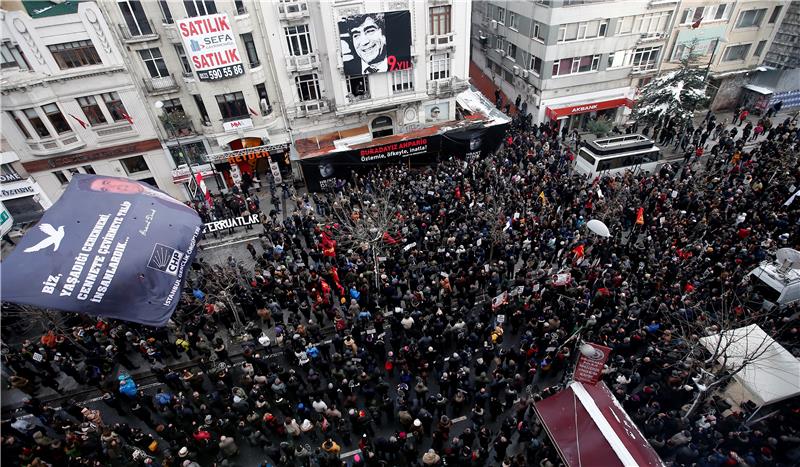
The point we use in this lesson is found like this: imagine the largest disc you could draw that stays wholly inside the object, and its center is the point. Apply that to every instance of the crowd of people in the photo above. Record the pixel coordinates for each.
(415, 316)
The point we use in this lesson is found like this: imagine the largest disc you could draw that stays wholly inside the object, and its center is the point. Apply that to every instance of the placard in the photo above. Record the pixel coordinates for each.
(589, 368)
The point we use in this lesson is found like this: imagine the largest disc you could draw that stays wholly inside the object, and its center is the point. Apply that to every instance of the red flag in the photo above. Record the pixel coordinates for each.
(578, 250)
(83, 124)
(327, 245)
(696, 24)
(640, 216)
(388, 239)
(127, 117)
(252, 112)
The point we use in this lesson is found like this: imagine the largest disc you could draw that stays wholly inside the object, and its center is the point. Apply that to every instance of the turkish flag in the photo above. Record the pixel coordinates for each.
(640, 216)
(696, 24)
(578, 250)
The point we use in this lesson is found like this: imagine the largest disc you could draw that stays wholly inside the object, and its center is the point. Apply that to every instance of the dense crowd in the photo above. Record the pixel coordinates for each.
(372, 319)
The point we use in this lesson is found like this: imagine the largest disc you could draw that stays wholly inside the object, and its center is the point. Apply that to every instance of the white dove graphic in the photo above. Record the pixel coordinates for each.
(54, 238)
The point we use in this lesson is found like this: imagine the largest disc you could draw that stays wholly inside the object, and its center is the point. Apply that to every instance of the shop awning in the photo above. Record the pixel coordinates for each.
(555, 113)
(590, 428)
(760, 90)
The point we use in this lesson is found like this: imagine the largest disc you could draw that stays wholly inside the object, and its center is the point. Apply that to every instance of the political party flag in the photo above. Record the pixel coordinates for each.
(82, 123)
(541, 197)
(579, 250)
(110, 247)
(640, 216)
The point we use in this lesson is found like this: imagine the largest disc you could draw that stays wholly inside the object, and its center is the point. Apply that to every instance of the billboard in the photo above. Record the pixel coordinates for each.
(375, 42)
(211, 47)
(111, 247)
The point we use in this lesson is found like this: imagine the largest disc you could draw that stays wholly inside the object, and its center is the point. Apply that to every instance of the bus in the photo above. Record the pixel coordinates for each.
(618, 154)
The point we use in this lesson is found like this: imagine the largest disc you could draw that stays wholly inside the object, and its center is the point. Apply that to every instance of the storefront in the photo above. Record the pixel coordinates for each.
(577, 116)
(24, 200)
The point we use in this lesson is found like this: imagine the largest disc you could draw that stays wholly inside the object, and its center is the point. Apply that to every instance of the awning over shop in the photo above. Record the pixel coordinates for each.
(555, 113)
(590, 428)
(758, 89)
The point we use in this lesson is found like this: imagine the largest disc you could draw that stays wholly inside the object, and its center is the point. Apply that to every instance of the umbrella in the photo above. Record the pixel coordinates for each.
(598, 227)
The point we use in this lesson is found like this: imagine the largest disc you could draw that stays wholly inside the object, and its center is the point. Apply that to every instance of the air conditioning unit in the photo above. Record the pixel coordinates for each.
(516, 70)
(524, 74)
(502, 53)
(494, 24)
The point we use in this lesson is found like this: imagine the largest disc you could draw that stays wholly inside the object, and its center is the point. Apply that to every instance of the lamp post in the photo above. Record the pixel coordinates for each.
(168, 122)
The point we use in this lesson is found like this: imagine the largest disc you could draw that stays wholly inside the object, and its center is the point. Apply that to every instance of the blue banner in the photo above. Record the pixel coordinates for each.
(110, 247)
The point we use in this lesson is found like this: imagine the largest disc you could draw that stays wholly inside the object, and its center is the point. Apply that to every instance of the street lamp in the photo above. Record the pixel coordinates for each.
(171, 128)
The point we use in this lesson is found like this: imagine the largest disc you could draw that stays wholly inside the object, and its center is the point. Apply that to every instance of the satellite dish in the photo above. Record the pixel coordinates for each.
(598, 227)
(788, 258)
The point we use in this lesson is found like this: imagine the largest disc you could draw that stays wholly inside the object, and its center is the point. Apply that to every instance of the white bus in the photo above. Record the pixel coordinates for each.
(618, 154)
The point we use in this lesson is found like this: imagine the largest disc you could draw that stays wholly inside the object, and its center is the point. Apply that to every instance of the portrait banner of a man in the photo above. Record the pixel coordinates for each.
(375, 42)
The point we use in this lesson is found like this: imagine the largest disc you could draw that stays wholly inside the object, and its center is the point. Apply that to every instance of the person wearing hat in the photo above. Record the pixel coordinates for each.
(431, 458)
(228, 446)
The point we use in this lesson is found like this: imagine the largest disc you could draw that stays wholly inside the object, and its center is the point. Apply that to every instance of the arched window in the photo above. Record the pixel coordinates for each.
(382, 126)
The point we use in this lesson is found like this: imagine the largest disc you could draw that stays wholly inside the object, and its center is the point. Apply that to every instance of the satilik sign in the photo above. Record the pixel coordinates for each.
(211, 47)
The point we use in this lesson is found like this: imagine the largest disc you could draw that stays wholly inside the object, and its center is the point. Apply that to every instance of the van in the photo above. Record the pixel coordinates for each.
(617, 154)
(778, 286)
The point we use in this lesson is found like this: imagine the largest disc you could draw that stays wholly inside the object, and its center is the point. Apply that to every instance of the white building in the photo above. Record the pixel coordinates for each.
(21, 195)
(227, 122)
(69, 105)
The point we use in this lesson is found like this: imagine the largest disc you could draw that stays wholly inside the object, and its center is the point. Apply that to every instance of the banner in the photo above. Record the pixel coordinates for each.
(110, 247)
(211, 47)
(375, 42)
(591, 360)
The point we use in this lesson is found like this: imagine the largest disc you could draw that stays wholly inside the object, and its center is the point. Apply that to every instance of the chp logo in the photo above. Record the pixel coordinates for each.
(592, 353)
(165, 259)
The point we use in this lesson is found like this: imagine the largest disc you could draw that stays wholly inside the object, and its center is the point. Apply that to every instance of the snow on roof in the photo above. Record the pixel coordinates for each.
(476, 102)
(770, 373)
(758, 89)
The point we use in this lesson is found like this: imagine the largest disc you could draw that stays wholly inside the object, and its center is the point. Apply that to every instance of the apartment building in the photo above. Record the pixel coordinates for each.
(69, 105)
(785, 50)
(208, 78)
(571, 60)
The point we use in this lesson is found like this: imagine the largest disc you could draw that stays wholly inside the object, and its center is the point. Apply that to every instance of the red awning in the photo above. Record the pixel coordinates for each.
(590, 107)
(590, 428)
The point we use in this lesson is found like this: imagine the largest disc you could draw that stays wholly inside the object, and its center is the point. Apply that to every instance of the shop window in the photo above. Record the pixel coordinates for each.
(135, 164)
(382, 126)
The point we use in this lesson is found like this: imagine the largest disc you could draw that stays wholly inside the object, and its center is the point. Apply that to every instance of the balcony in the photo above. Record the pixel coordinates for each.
(309, 108)
(177, 124)
(447, 87)
(160, 85)
(62, 143)
(644, 68)
(302, 62)
(290, 10)
(143, 33)
(441, 42)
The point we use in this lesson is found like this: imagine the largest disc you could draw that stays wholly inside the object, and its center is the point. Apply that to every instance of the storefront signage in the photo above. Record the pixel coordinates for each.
(7, 193)
(401, 149)
(211, 47)
(235, 125)
(93, 155)
(591, 107)
(6, 221)
(182, 174)
(589, 368)
(232, 222)
(246, 154)
(9, 175)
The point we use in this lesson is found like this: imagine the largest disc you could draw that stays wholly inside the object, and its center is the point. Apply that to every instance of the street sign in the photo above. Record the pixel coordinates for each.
(6, 221)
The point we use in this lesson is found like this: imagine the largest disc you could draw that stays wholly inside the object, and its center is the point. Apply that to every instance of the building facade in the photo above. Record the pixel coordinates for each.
(69, 105)
(785, 50)
(21, 195)
(209, 80)
(571, 60)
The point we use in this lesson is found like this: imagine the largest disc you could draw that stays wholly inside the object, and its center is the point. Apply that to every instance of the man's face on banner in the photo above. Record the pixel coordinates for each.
(114, 185)
(369, 41)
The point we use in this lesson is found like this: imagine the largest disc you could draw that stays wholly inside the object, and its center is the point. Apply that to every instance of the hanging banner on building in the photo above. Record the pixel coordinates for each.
(211, 47)
(375, 42)
(589, 368)
(232, 222)
(110, 247)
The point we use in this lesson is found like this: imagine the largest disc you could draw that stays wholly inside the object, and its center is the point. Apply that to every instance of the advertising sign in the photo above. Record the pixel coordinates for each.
(589, 368)
(375, 42)
(111, 247)
(211, 47)
(235, 125)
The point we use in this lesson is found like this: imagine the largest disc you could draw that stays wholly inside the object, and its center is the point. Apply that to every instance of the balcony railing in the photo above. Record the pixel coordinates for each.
(294, 9)
(645, 67)
(144, 32)
(441, 41)
(302, 62)
(316, 107)
(62, 143)
(161, 84)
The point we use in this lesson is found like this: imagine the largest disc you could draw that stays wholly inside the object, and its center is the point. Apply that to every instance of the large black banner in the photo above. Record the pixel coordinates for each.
(375, 42)
(110, 247)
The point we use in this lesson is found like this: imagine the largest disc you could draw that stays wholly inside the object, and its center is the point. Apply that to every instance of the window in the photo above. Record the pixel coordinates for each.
(358, 86)
(154, 62)
(56, 118)
(307, 87)
(74, 54)
(721, 12)
(20, 125)
(172, 106)
(263, 99)
(512, 20)
(188, 152)
(620, 59)
(751, 18)
(165, 13)
(186, 67)
(567, 66)
(582, 31)
(683, 50)
(250, 47)
(135, 164)
(62, 179)
(776, 12)
(201, 107)
(646, 59)
(499, 42)
(403, 80)
(89, 169)
(240, 8)
(511, 50)
(500, 15)
(736, 52)
(535, 65)
(440, 66)
(651, 24)
(232, 105)
(12, 57)
(625, 25)
(133, 13)
(382, 126)
(91, 109)
(536, 31)
(508, 76)
(760, 48)
(115, 106)
(299, 40)
(200, 7)
(440, 20)
(37, 123)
